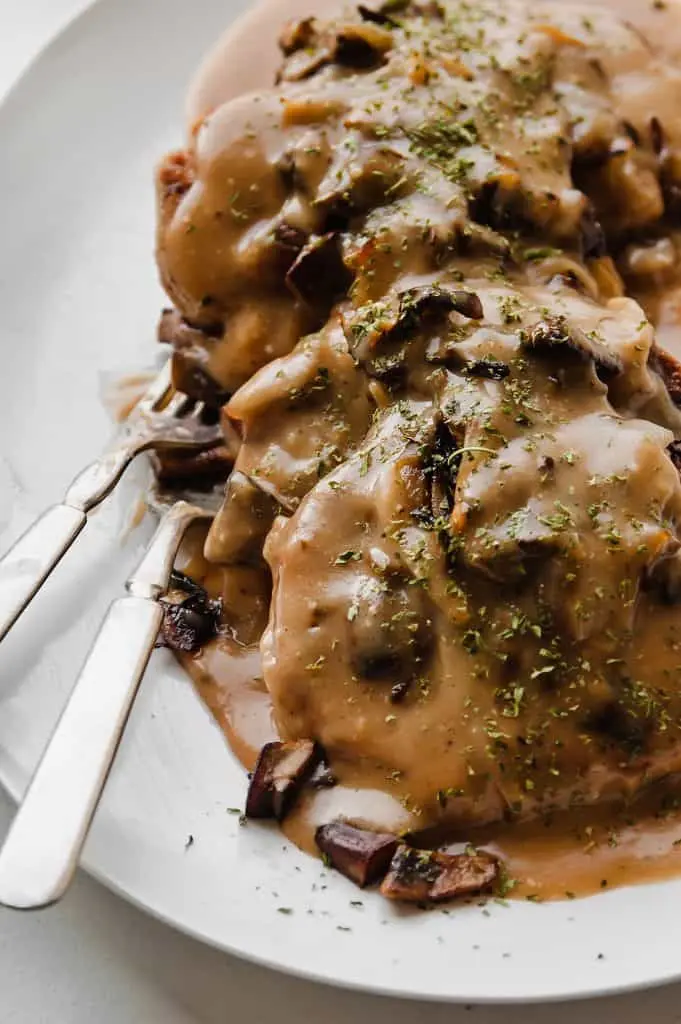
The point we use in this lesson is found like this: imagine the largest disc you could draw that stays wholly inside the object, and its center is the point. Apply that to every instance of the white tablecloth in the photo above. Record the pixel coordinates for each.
(96, 960)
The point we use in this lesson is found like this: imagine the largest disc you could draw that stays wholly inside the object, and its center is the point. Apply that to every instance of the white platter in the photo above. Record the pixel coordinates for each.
(79, 299)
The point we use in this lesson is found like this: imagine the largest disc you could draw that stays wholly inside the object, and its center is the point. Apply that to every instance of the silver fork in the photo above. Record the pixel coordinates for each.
(41, 851)
(176, 424)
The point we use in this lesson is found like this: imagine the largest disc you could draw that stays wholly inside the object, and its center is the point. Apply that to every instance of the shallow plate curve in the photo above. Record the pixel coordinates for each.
(79, 135)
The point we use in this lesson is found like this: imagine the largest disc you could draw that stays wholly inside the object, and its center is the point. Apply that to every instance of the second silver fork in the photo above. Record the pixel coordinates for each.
(162, 419)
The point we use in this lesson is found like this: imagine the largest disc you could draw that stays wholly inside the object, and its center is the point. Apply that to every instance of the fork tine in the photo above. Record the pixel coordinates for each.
(207, 415)
(156, 390)
(175, 405)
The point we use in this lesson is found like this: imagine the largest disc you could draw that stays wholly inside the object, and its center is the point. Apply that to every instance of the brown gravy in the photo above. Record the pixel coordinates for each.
(246, 57)
(581, 854)
(576, 853)
(573, 855)
(228, 680)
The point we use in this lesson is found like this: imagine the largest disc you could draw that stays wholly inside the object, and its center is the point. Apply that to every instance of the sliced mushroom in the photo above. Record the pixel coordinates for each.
(201, 471)
(424, 305)
(411, 875)
(360, 855)
(180, 581)
(488, 369)
(303, 64)
(362, 46)
(308, 46)
(189, 623)
(464, 874)
(669, 368)
(168, 325)
(280, 772)
(379, 336)
(424, 876)
(318, 274)
(513, 552)
(297, 34)
(190, 355)
(189, 375)
(555, 337)
(356, 182)
(175, 177)
(174, 330)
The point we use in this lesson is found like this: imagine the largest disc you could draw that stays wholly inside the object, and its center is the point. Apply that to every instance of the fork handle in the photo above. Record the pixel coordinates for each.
(27, 564)
(41, 851)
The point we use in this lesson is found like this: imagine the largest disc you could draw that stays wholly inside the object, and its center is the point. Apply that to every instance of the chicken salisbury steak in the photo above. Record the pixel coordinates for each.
(454, 437)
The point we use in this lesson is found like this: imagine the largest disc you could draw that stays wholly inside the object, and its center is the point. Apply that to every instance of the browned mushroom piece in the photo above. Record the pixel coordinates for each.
(488, 369)
(669, 368)
(302, 64)
(468, 304)
(360, 855)
(363, 45)
(200, 471)
(175, 175)
(190, 355)
(424, 305)
(280, 772)
(554, 336)
(188, 623)
(464, 874)
(297, 34)
(189, 375)
(380, 337)
(174, 330)
(410, 876)
(318, 274)
(425, 876)
(309, 45)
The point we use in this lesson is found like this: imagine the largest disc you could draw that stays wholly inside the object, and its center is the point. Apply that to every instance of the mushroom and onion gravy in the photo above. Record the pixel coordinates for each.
(448, 559)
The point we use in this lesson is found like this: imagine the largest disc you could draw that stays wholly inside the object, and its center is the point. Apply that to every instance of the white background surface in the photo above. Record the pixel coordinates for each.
(95, 960)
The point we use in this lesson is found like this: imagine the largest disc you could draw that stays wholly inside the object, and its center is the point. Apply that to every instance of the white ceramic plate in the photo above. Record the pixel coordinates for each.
(78, 297)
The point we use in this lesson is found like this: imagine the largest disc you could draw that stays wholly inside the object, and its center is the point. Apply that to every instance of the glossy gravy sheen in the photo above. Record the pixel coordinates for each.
(247, 57)
(576, 852)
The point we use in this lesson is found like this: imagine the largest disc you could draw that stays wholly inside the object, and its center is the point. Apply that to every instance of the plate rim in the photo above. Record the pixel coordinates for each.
(13, 95)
